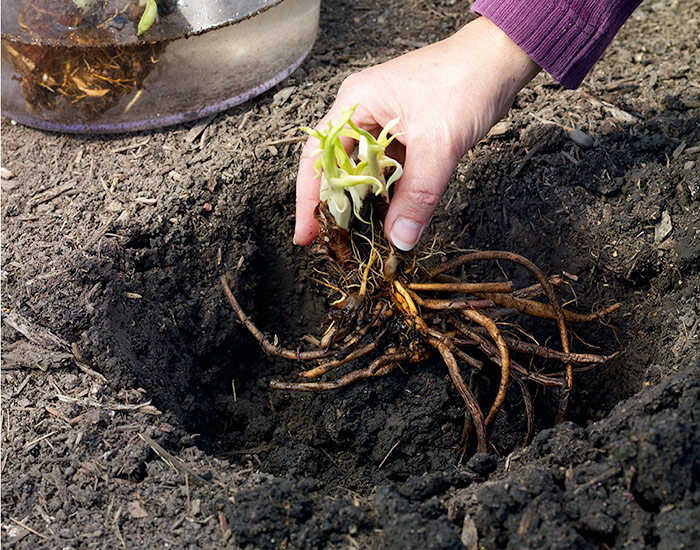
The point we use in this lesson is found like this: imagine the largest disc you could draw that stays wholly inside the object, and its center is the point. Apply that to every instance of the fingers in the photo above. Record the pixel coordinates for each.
(308, 184)
(430, 162)
(425, 178)
(427, 171)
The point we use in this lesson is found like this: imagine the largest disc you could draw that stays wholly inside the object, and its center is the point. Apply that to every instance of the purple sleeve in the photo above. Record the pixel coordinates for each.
(564, 37)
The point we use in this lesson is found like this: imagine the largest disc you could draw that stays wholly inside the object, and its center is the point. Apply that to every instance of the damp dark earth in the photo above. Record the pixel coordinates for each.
(136, 409)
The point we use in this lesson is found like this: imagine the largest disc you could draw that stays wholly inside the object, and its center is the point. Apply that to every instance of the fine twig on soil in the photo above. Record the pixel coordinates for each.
(26, 527)
(172, 461)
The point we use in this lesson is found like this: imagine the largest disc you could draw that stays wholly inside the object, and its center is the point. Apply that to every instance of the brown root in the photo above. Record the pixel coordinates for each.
(269, 347)
(379, 367)
(469, 399)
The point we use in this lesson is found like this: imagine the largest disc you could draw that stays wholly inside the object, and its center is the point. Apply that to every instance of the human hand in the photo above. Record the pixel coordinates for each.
(447, 96)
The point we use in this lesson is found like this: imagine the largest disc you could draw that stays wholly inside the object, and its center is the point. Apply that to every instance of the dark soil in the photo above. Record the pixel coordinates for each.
(166, 434)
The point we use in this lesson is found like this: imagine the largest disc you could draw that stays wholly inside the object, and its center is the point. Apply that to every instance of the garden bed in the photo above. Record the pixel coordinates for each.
(136, 409)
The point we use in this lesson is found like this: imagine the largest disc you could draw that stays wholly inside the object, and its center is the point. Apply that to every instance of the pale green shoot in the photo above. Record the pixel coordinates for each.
(339, 173)
(148, 17)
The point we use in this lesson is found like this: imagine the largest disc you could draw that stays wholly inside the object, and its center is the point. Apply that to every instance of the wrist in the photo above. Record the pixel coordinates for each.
(516, 63)
(509, 68)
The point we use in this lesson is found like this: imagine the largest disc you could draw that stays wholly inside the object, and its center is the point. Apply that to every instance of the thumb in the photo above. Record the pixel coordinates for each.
(418, 192)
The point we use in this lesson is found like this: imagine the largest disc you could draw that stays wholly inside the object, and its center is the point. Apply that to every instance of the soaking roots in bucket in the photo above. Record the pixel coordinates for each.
(87, 69)
(393, 308)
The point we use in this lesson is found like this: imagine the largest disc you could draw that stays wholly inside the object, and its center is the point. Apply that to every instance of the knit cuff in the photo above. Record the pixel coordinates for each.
(564, 37)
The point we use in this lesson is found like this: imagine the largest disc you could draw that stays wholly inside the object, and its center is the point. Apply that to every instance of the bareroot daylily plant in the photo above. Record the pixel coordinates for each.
(345, 182)
(399, 308)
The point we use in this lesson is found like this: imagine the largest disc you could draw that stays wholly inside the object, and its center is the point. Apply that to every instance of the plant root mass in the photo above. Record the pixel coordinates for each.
(393, 308)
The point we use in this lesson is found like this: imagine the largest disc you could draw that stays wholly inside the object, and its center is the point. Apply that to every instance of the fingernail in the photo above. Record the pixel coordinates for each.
(405, 234)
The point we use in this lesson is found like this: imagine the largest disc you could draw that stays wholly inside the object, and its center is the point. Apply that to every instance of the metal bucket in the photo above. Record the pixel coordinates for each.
(79, 65)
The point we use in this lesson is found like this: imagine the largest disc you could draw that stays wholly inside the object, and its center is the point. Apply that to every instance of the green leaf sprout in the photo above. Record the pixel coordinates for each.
(148, 17)
(340, 173)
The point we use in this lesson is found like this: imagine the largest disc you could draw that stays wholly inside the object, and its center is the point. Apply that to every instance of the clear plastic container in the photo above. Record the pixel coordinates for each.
(79, 66)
